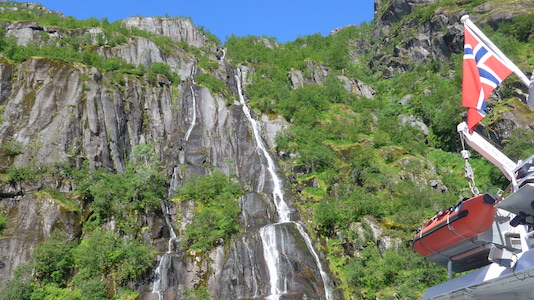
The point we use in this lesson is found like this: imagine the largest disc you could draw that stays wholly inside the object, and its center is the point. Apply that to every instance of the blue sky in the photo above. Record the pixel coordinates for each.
(285, 20)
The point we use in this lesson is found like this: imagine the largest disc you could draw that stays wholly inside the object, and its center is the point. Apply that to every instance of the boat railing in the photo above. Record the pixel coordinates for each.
(524, 172)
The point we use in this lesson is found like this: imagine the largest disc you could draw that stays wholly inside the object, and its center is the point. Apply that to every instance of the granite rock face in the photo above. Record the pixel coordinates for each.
(422, 38)
(178, 29)
(32, 219)
(141, 51)
(59, 112)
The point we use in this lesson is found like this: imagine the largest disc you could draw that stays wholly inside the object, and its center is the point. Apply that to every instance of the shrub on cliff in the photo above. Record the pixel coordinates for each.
(52, 260)
(216, 210)
(123, 195)
(106, 255)
(94, 269)
(3, 222)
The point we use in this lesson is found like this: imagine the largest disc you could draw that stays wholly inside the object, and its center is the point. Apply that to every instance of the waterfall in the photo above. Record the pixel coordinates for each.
(194, 118)
(324, 276)
(181, 155)
(161, 279)
(270, 241)
(173, 184)
(272, 257)
(278, 197)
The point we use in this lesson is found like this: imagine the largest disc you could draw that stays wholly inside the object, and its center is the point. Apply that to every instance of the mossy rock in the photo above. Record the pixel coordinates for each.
(314, 194)
(68, 202)
(515, 106)
(392, 153)
(345, 152)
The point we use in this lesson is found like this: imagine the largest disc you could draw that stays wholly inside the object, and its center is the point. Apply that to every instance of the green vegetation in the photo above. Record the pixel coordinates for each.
(349, 156)
(521, 143)
(98, 267)
(101, 264)
(360, 153)
(216, 210)
(424, 13)
(53, 261)
(21, 286)
(363, 159)
(123, 196)
(9, 147)
(198, 294)
(80, 46)
(163, 69)
(105, 255)
(272, 62)
(214, 85)
(514, 39)
(521, 28)
(20, 174)
(379, 275)
(115, 67)
(3, 222)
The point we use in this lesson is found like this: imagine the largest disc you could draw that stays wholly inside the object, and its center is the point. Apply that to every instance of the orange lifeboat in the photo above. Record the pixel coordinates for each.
(469, 218)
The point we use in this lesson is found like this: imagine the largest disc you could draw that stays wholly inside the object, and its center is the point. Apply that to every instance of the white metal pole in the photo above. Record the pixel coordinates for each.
(486, 149)
(467, 22)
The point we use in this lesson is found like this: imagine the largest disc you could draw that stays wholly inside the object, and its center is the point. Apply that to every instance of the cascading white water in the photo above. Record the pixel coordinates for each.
(278, 197)
(278, 282)
(160, 284)
(194, 118)
(324, 276)
(181, 155)
(268, 232)
(272, 257)
(173, 184)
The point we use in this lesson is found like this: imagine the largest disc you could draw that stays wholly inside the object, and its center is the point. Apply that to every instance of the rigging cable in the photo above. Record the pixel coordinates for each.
(469, 174)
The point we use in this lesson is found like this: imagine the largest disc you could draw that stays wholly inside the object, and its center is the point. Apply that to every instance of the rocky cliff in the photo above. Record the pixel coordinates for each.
(416, 32)
(59, 113)
(411, 33)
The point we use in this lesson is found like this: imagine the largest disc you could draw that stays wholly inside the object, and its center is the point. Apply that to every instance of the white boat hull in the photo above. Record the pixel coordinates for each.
(491, 282)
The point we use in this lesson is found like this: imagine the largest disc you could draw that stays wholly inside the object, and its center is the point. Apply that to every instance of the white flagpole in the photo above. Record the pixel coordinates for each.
(467, 22)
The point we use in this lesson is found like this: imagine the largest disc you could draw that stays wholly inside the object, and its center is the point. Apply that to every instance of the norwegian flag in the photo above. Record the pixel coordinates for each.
(483, 71)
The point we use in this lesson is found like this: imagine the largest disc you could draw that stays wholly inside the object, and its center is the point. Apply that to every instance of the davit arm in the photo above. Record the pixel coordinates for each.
(486, 149)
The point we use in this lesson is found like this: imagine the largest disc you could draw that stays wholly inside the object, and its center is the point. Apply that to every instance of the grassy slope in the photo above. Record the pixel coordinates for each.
(359, 160)
(353, 156)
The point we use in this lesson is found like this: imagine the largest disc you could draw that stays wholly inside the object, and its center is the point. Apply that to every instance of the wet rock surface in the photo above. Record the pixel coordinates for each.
(31, 220)
(61, 112)
(58, 112)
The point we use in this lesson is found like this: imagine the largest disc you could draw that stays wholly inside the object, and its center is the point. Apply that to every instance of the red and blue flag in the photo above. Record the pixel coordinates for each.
(483, 71)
